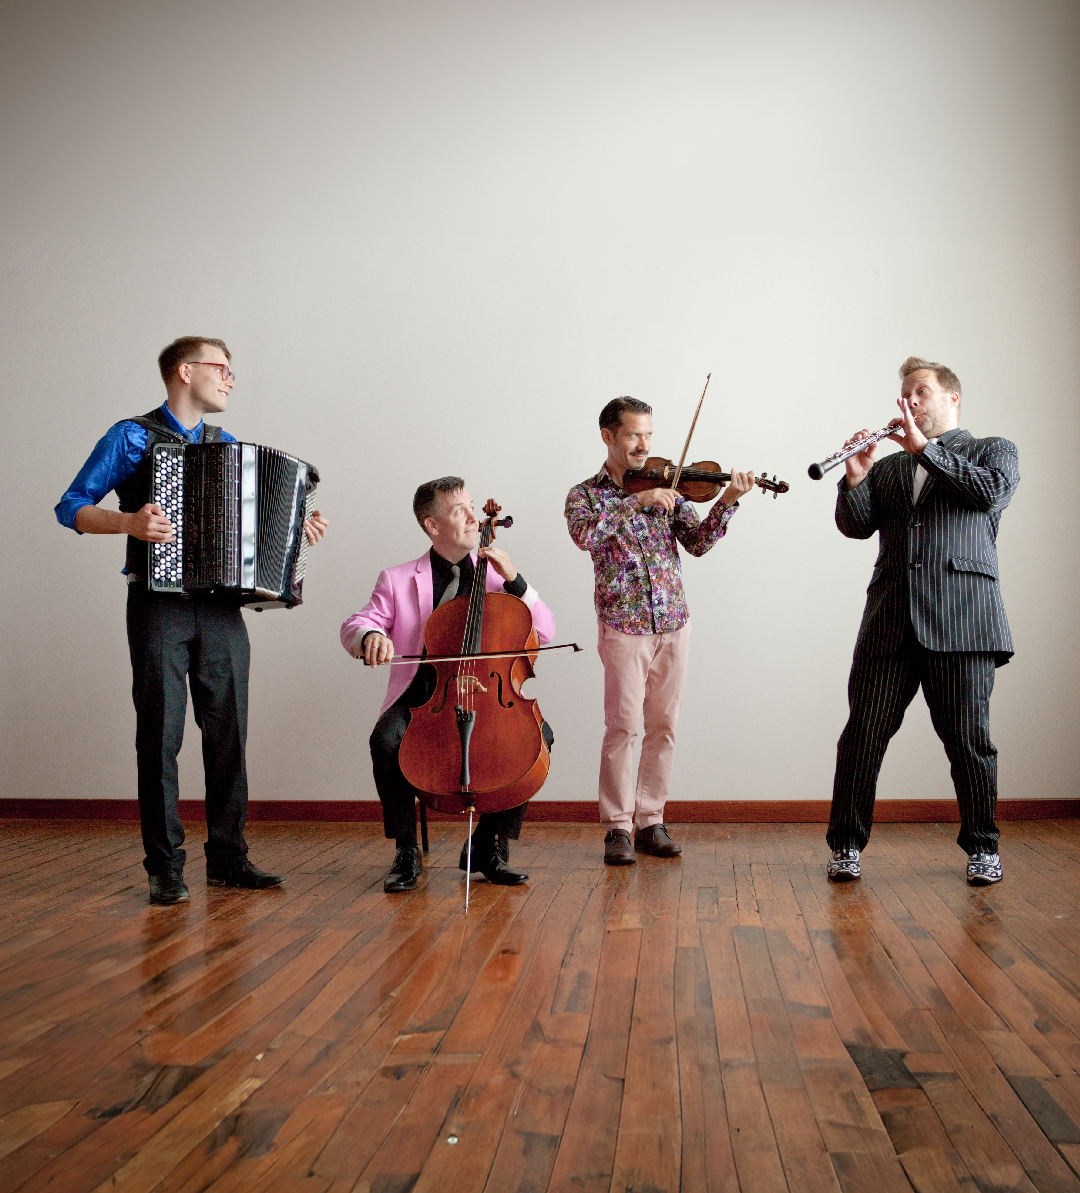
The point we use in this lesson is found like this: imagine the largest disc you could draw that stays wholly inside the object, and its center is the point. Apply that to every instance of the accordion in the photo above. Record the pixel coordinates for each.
(237, 511)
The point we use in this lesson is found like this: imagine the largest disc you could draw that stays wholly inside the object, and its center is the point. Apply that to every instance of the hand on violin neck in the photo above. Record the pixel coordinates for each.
(665, 499)
(741, 483)
(500, 561)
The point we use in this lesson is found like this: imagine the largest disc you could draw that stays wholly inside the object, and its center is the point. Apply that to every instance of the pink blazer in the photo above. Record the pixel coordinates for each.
(400, 606)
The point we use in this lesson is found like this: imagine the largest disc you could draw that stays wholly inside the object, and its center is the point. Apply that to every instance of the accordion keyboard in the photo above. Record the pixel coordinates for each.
(167, 491)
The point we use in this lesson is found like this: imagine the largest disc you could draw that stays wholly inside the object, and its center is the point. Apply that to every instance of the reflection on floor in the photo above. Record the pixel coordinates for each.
(724, 1021)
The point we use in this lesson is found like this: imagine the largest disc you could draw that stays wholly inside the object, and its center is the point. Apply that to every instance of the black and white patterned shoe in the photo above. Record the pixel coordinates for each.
(984, 869)
(843, 865)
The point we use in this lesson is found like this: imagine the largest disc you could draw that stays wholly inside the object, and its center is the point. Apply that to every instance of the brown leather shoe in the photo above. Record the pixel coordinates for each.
(655, 840)
(617, 848)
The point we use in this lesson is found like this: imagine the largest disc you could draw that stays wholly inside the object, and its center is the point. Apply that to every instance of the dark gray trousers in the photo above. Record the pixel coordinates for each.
(957, 687)
(174, 642)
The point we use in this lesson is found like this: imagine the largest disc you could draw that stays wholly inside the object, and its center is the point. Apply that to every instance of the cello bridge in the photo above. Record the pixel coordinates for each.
(468, 683)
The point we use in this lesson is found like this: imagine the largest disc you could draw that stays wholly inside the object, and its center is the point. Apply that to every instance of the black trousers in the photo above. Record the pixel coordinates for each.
(174, 642)
(957, 687)
(398, 796)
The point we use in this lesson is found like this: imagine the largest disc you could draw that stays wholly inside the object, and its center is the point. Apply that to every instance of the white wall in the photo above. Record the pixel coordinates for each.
(438, 237)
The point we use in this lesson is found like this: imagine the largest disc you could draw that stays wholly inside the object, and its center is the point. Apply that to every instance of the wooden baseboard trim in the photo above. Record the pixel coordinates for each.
(789, 811)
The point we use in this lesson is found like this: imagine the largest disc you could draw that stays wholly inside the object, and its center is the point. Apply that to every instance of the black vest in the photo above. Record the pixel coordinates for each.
(134, 493)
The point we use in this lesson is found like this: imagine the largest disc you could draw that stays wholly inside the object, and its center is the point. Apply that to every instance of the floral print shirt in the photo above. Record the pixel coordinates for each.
(639, 586)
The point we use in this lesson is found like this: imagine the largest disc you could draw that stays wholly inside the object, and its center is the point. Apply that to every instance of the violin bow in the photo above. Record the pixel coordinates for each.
(466, 658)
(690, 435)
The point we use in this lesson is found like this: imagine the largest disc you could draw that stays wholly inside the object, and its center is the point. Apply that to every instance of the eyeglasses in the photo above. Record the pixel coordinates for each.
(226, 373)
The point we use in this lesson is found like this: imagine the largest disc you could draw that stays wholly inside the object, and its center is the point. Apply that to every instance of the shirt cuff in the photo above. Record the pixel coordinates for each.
(356, 646)
(516, 587)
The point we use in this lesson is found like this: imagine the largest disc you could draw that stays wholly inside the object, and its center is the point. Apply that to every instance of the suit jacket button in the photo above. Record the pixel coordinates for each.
(915, 565)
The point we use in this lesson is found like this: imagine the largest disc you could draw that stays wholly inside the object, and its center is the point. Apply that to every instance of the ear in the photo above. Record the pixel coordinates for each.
(607, 435)
(429, 524)
(183, 372)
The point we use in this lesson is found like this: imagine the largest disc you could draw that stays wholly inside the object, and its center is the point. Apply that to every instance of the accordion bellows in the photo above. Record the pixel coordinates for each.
(238, 513)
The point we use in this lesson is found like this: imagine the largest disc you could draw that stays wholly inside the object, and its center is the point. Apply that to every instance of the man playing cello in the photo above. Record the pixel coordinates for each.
(644, 625)
(393, 621)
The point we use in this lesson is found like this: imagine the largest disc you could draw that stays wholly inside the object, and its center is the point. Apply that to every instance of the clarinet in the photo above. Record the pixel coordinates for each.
(817, 471)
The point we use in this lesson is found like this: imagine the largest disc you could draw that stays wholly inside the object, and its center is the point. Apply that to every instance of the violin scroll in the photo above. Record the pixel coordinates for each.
(771, 485)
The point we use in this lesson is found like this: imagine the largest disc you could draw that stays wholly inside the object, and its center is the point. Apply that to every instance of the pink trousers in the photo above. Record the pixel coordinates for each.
(644, 676)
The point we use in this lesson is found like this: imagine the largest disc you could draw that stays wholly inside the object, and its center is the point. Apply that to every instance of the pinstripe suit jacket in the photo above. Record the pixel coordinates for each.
(937, 562)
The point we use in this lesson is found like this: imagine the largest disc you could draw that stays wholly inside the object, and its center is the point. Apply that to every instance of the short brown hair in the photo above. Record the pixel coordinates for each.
(425, 501)
(611, 415)
(185, 348)
(946, 378)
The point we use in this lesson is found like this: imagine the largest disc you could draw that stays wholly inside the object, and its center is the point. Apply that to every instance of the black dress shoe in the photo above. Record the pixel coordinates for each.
(655, 840)
(406, 869)
(617, 848)
(168, 888)
(497, 871)
(502, 847)
(240, 872)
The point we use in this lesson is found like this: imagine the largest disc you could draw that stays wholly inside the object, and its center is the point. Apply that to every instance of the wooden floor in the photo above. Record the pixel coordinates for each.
(725, 1021)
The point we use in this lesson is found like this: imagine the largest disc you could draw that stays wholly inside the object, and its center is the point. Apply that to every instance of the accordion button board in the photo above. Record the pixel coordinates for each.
(237, 512)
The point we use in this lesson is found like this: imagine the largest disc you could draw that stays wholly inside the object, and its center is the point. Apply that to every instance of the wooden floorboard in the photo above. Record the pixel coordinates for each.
(726, 1021)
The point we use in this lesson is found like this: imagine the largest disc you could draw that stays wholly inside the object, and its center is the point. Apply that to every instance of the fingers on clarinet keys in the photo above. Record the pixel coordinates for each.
(406, 869)
(844, 865)
(984, 869)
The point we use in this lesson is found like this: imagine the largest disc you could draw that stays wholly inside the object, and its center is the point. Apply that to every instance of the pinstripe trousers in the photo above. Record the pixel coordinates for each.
(957, 687)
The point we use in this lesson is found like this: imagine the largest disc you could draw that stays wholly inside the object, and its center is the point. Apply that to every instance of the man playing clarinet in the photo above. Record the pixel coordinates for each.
(177, 639)
(934, 616)
(644, 624)
(393, 621)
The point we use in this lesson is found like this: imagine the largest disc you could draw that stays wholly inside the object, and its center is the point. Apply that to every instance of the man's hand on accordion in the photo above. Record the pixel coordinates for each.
(315, 527)
(150, 525)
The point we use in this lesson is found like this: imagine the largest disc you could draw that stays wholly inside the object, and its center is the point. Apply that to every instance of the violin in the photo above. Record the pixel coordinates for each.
(697, 482)
(476, 744)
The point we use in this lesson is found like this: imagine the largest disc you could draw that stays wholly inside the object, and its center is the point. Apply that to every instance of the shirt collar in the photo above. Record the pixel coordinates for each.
(192, 435)
(442, 567)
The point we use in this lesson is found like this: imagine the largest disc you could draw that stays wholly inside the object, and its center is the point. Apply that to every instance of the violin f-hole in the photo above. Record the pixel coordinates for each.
(445, 695)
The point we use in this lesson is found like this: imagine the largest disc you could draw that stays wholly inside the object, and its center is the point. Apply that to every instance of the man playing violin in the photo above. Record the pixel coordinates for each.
(934, 617)
(393, 621)
(644, 624)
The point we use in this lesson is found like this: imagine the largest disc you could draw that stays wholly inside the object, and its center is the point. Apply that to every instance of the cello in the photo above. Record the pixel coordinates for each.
(476, 745)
